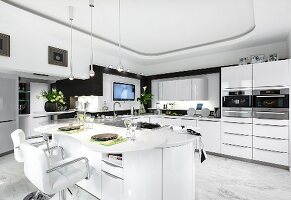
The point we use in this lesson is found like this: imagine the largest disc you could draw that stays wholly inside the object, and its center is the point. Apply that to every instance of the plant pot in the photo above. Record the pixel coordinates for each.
(50, 107)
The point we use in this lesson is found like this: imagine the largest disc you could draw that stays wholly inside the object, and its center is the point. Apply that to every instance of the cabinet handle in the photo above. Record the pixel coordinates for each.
(235, 145)
(271, 125)
(276, 96)
(269, 150)
(271, 138)
(241, 134)
(271, 113)
(231, 111)
(110, 164)
(112, 176)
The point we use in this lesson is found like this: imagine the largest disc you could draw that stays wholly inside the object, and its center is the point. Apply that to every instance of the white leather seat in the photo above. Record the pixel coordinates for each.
(53, 178)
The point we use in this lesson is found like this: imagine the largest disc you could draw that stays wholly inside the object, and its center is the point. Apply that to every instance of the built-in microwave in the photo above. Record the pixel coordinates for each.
(237, 99)
(237, 103)
(271, 104)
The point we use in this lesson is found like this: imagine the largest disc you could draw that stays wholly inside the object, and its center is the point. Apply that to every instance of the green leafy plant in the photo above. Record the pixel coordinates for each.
(53, 96)
(145, 97)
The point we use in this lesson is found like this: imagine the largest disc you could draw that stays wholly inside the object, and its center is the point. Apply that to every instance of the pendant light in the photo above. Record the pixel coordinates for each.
(119, 67)
(91, 72)
(71, 16)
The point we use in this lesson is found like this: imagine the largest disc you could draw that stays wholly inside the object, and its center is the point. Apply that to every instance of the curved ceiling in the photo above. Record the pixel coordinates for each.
(154, 27)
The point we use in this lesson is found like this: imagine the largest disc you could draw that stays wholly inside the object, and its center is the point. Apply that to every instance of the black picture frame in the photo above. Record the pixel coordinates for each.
(57, 56)
(118, 99)
(4, 45)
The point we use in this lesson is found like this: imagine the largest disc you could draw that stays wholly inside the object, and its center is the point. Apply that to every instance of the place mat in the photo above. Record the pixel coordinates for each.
(104, 137)
(72, 131)
(109, 143)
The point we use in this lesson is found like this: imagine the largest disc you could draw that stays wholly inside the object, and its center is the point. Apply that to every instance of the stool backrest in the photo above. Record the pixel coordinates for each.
(18, 137)
(36, 164)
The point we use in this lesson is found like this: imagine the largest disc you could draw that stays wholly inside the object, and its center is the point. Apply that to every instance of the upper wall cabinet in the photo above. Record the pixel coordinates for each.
(199, 89)
(182, 90)
(237, 77)
(169, 90)
(271, 74)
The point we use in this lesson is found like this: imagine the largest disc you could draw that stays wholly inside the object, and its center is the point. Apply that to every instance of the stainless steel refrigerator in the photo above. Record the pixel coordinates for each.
(8, 111)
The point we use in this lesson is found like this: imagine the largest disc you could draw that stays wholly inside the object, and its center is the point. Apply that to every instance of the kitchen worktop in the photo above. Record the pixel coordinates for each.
(177, 117)
(146, 139)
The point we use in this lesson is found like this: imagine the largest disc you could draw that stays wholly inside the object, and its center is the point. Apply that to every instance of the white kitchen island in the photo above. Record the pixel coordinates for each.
(158, 165)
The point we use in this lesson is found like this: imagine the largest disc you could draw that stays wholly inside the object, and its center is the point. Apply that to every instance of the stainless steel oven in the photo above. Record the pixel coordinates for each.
(237, 103)
(271, 104)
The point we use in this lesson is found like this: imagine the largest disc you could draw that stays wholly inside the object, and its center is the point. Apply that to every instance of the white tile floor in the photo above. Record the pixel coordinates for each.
(217, 179)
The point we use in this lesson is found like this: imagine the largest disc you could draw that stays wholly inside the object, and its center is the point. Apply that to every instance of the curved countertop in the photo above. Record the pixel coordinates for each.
(145, 139)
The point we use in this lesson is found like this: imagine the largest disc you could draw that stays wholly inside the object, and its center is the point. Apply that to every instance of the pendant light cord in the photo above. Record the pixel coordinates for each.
(91, 67)
(71, 63)
(119, 43)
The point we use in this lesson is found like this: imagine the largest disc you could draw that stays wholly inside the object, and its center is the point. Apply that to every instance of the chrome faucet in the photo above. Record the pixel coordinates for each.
(114, 114)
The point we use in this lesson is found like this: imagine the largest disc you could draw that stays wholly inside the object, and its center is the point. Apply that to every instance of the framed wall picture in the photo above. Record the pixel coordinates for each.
(57, 56)
(258, 58)
(4, 45)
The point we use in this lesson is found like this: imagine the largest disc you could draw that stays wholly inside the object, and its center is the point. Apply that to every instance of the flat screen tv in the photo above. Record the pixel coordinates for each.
(123, 92)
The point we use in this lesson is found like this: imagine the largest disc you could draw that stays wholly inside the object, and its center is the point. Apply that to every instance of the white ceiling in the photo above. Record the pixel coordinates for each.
(157, 31)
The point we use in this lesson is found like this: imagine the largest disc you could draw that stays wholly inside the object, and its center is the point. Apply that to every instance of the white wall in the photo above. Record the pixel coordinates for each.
(96, 103)
(289, 44)
(30, 37)
(213, 94)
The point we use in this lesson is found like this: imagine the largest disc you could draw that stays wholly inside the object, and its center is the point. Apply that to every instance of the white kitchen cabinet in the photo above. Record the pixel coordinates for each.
(236, 128)
(178, 176)
(183, 92)
(112, 187)
(271, 144)
(271, 74)
(199, 88)
(236, 151)
(160, 92)
(169, 90)
(6, 128)
(92, 185)
(274, 157)
(210, 131)
(155, 92)
(36, 122)
(236, 77)
(270, 131)
(236, 139)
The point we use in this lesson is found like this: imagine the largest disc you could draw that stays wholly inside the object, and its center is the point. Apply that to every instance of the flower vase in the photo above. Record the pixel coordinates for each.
(50, 107)
(142, 109)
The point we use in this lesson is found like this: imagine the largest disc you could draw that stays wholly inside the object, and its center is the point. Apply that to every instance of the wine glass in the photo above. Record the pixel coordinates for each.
(133, 129)
(127, 124)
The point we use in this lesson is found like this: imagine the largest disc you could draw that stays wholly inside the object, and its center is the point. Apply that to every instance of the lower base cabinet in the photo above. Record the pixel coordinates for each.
(236, 150)
(210, 131)
(274, 157)
(112, 187)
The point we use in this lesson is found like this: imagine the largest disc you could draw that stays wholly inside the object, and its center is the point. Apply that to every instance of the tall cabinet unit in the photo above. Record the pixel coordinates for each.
(271, 74)
(236, 132)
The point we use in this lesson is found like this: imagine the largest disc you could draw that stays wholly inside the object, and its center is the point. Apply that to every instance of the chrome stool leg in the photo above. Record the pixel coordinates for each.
(62, 195)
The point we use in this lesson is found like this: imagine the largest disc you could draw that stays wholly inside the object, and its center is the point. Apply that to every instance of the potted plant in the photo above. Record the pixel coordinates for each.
(145, 98)
(55, 100)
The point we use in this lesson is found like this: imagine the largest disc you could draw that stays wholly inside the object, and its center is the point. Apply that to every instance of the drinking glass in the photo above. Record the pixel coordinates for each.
(133, 129)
